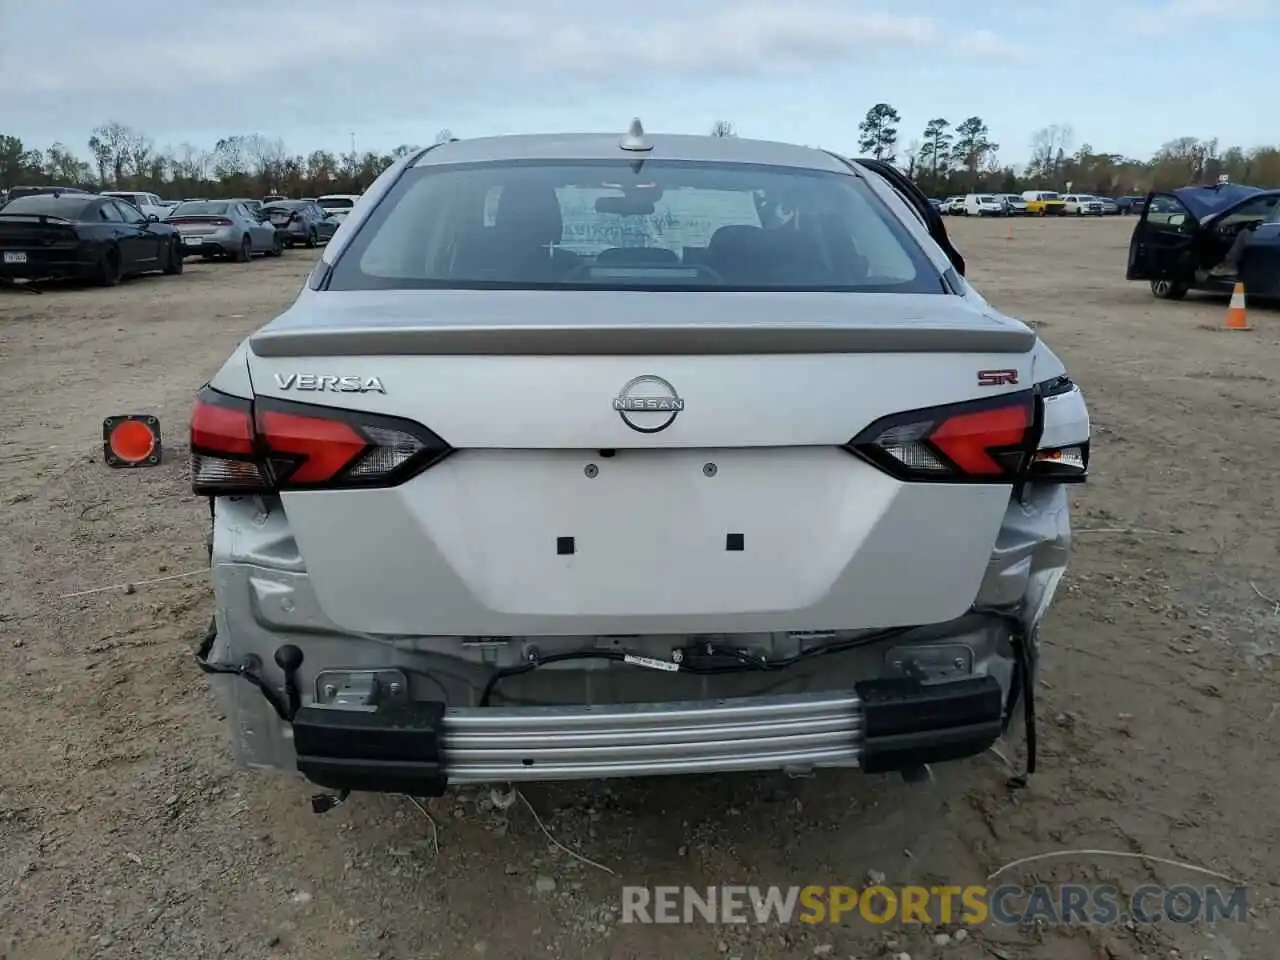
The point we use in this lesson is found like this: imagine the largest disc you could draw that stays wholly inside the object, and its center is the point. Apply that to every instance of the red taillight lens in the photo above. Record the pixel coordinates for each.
(244, 447)
(984, 441)
(224, 456)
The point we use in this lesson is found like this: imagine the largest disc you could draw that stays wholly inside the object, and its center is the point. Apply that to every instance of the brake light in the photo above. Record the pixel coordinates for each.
(241, 447)
(992, 440)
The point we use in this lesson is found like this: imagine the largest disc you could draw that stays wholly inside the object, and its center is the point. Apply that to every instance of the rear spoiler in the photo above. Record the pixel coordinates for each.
(42, 217)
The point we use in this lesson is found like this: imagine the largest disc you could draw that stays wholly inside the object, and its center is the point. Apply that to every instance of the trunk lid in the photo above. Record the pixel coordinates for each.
(35, 231)
(535, 390)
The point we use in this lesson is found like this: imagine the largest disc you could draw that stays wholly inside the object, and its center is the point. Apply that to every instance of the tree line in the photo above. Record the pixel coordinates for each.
(949, 158)
(121, 157)
(946, 158)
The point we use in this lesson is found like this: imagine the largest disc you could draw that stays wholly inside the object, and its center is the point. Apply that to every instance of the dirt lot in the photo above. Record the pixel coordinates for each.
(126, 830)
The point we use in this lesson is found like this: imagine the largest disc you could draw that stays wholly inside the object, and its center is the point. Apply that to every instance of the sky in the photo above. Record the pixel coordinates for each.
(320, 73)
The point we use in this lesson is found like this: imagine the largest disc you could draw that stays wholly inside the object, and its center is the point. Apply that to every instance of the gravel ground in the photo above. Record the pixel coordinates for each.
(127, 831)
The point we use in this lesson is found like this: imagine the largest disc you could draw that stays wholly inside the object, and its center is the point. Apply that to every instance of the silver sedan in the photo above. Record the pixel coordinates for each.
(224, 228)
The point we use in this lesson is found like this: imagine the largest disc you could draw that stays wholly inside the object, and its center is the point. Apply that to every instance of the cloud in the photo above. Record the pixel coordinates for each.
(1175, 17)
(243, 64)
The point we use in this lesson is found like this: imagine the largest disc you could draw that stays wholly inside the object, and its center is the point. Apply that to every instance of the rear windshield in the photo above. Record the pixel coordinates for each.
(336, 203)
(199, 208)
(602, 225)
(285, 205)
(69, 206)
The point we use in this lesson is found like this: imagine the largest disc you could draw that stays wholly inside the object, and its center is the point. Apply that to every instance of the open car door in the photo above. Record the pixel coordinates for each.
(1259, 217)
(915, 197)
(1163, 240)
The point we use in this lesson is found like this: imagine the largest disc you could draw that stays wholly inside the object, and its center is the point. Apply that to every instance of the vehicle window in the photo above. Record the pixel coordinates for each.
(129, 213)
(1259, 210)
(1169, 212)
(109, 211)
(46, 204)
(683, 225)
(201, 208)
(337, 203)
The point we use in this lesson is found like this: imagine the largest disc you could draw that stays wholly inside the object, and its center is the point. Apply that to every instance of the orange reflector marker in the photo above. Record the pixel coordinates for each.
(131, 440)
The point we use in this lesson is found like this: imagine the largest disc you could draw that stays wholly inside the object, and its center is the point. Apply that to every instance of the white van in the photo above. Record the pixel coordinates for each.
(984, 205)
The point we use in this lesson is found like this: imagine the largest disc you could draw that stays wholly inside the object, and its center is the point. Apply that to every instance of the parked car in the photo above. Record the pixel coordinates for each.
(301, 222)
(983, 205)
(415, 589)
(954, 205)
(148, 203)
(937, 203)
(338, 205)
(1184, 234)
(1130, 205)
(1043, 203)
(1014, 205)
(274, 198)
(78, 235)
(1081, 205)
(224, 228)
(1109, 207)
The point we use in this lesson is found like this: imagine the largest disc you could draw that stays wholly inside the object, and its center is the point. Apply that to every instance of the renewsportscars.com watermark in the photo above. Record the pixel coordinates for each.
(972, 905)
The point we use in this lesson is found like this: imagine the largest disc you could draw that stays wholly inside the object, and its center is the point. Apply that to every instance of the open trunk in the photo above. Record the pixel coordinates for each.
(619, 468)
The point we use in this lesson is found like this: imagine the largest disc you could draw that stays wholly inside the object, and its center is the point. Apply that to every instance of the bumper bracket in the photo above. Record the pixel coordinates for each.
(395, 748)
(908, 723)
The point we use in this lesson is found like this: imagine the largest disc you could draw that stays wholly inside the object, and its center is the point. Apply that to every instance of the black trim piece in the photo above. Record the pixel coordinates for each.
(396, 748)
(907, 723)
(1056, 386)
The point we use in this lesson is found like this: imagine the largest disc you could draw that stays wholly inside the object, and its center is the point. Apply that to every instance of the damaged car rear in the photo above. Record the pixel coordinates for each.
(595, 456)
(1208, 238)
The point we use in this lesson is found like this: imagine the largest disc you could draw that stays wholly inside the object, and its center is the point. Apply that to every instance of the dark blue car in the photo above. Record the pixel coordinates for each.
(1183, 234)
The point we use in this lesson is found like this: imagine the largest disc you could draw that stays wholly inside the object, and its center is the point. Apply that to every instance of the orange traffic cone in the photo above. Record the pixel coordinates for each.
(1237, 316)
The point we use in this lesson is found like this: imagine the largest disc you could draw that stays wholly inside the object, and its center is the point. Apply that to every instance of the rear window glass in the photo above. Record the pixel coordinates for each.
(69, 206)
(336, 203)
(603, 225)
(199, 208)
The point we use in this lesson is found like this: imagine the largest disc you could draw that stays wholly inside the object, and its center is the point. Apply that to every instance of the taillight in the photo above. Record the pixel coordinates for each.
(222, 222)
(1060, 464)
(241, 446)
(1065, 463)
(991, 440)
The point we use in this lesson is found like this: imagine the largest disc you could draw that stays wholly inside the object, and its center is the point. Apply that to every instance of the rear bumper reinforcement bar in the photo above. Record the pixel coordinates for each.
(420, 748)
